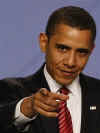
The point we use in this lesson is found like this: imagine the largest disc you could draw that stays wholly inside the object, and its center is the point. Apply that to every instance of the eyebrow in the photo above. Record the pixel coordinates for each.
(58, 45)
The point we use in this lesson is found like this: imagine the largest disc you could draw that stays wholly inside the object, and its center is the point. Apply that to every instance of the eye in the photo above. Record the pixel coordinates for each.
(62, 47)
(84, 52)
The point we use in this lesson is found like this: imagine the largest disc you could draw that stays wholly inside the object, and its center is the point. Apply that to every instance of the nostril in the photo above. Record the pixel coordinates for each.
(69, 65)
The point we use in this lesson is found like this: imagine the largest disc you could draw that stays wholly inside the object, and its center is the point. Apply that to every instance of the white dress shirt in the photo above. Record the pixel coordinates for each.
(73, 103)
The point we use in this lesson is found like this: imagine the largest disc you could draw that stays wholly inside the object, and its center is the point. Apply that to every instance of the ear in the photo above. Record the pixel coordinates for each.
(93, 46)
(43, 41)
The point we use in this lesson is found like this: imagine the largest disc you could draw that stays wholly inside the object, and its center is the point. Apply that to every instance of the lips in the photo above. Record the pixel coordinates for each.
(68, 73)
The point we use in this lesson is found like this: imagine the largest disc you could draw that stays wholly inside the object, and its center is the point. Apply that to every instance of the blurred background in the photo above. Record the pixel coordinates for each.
(21, 21)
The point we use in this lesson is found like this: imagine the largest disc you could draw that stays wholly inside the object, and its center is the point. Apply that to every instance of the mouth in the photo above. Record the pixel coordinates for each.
(68, 73)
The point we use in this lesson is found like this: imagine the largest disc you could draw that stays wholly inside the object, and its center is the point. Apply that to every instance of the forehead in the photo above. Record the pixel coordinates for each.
(69, 35)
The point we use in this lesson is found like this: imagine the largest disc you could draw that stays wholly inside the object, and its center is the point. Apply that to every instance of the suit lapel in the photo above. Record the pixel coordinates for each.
(84, 107)
(90, 105)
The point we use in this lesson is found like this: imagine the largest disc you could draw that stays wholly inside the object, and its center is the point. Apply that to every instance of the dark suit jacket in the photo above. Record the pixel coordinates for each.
(14, 89)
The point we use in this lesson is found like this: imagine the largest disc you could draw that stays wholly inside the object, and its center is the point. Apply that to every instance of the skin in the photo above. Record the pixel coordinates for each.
(67, 53)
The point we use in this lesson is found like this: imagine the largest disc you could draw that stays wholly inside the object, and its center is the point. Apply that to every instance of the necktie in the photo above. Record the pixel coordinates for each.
(64, 117)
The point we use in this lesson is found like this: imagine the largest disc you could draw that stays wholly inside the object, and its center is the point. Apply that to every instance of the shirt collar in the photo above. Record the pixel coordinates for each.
(54, 86)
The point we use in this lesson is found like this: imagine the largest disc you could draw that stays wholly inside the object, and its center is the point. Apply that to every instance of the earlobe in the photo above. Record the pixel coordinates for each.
(43, 40)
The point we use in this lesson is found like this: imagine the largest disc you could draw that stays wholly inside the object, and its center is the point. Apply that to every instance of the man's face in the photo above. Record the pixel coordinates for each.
(67, 52)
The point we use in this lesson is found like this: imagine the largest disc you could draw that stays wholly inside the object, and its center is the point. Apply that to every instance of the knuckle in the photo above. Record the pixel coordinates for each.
(49, 108)
(34, 96)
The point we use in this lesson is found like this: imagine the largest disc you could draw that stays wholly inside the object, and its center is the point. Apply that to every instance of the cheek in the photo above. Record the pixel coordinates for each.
(53, 61)
(54, 57)
(82, 62)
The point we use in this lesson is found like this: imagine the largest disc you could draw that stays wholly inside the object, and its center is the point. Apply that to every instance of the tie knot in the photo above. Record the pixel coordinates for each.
(64, 91)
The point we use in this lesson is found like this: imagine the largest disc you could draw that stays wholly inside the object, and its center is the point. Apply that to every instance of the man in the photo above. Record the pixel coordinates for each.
(31, 104)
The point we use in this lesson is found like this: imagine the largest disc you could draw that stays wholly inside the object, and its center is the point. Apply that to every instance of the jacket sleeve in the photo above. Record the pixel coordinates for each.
(9, 97)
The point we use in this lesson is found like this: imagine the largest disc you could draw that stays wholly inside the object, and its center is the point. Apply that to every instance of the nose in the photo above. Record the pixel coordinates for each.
(70, 60)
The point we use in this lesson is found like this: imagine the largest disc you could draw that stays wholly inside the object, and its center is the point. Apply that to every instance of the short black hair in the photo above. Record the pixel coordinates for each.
(72, 16)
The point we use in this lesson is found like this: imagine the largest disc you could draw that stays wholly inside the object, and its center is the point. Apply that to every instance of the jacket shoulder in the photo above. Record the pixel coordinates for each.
(91, 80)
(92, 83)
(23, 86)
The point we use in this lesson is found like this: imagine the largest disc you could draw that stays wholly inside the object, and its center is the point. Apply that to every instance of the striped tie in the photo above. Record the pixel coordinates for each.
(64, 117)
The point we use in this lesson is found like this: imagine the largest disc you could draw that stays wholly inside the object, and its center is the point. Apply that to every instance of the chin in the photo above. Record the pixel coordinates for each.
(64, 82)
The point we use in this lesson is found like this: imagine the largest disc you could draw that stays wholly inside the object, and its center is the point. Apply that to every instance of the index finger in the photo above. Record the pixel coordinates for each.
(58, 96)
